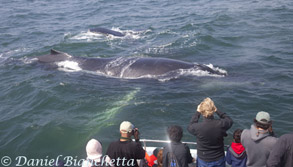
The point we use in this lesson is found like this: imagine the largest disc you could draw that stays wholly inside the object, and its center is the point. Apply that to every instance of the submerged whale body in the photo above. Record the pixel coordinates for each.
(125, 67)
(106, 32)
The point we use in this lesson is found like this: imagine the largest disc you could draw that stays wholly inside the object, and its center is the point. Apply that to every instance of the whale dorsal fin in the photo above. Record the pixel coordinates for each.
(55, 52)
(55, 56)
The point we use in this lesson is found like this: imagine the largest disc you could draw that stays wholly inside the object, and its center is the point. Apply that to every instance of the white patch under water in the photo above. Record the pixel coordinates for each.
(68, 66)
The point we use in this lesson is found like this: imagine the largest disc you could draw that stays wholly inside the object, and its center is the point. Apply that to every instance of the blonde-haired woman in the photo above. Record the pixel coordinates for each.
(210, 134)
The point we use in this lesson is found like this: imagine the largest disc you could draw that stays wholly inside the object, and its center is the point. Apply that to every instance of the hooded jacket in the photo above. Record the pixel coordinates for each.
(94, 154)
(236, 155)
(258, 144)
(282, 153)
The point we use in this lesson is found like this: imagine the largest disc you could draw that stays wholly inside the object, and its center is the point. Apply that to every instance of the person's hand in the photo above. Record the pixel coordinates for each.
(136, 133)
(270, 130)
(198, 108)
(215, 109)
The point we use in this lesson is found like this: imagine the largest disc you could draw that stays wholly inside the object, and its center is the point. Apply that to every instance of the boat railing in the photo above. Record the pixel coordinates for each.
(144, 141)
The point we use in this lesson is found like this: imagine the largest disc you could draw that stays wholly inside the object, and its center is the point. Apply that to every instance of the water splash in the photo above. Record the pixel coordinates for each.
(84, 36)
(68, 66)
(87, 36)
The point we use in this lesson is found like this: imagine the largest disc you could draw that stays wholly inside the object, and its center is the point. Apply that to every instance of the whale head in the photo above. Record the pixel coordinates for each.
(54, 56)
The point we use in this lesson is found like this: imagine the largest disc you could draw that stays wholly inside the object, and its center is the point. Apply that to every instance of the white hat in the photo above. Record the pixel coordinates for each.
(94, 150)
(263, 117)
(126, 127)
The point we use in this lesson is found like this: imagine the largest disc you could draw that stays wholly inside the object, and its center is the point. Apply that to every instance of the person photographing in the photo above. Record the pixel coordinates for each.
(210, 133)
(259, 140)
(125, 152)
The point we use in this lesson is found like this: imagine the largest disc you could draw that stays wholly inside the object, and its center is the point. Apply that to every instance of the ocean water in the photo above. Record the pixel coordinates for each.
(48, 112)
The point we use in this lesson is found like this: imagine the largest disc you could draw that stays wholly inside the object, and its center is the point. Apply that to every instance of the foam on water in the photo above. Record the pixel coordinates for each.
(172, 42)
(27, 60)
(129, 34)
(13, 52)
(189, 72)
(1, 57)
(87, 36)
(217, 69)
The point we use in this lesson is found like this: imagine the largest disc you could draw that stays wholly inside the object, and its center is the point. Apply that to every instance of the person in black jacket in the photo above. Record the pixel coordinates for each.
(282, 152)
(210, 134)
(176, 148)
(125, 152)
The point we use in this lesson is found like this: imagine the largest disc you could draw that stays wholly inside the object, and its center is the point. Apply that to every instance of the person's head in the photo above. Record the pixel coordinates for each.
(207, 107)
(156, 151)
(237, 135)
(175, 133)
(126, 129)
(263, 120)
(94, 150)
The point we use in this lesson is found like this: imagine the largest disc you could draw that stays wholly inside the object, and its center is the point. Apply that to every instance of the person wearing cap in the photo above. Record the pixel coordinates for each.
(258, 140)
(282, 152)
(210, 133)
(126, 152)
(94, 154)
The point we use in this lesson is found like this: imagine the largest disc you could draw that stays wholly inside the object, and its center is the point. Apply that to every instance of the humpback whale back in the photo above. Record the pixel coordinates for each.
(55, 52)
(106, 31)
(154, 67)
(130, 67)
(55, 56)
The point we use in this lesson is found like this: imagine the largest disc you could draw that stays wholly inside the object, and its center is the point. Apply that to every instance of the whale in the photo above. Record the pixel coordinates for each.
(105, 31)
(125, 67)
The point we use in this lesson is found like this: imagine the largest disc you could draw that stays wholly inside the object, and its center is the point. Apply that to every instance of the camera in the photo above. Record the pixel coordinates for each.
(133, 131)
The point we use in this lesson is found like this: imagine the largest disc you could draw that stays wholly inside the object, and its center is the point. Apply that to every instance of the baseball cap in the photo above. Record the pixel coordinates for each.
(126, 127)
(263, 117)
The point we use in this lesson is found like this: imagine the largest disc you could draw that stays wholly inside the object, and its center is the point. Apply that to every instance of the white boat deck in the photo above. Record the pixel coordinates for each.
(149, 148)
